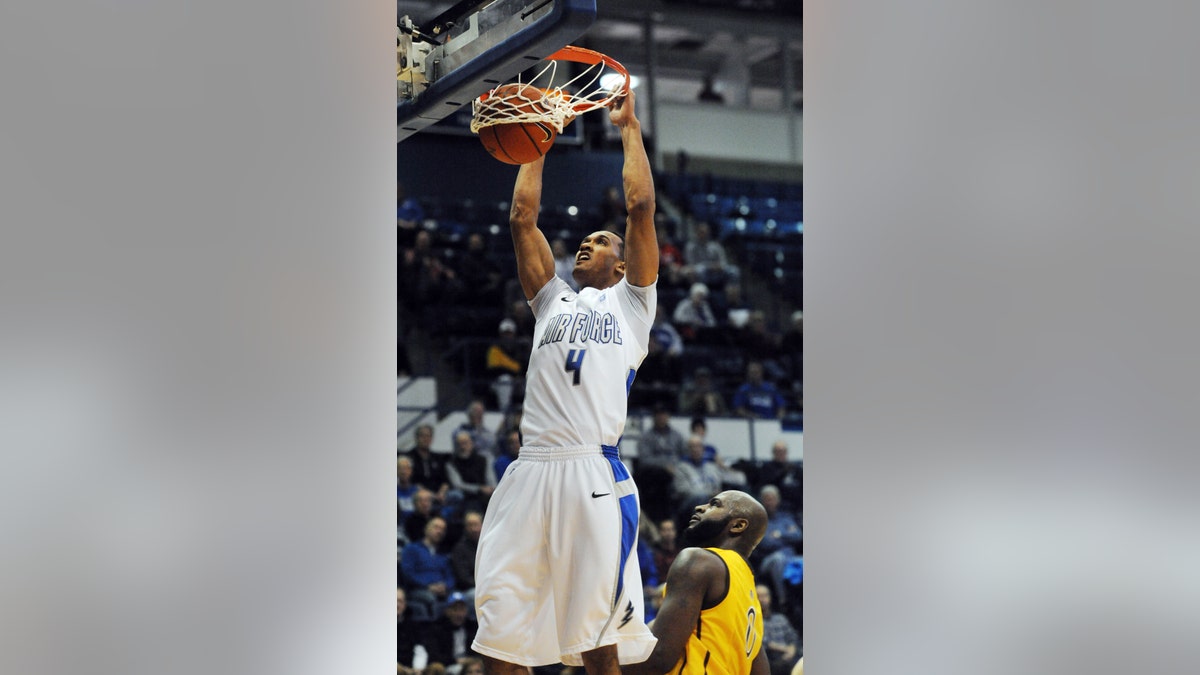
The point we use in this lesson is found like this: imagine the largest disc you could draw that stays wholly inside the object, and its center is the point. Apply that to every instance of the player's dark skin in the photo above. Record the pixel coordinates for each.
(603, 259)
(697, 579)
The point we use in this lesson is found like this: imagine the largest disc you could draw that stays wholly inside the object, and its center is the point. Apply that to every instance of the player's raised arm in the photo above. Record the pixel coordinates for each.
(535, 261)
(641, 244)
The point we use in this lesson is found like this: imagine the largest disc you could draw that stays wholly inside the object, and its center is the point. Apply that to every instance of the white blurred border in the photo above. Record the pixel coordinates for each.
(197, 279)
(1001, 403)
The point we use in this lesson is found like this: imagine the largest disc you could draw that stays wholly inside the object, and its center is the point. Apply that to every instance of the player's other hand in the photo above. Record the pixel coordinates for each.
(620, 111)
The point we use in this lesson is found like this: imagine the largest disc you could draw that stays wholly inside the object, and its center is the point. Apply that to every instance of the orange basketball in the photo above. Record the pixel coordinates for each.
(518, 142)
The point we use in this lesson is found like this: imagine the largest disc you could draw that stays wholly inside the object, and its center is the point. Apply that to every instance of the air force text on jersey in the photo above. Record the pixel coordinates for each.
(582, 327)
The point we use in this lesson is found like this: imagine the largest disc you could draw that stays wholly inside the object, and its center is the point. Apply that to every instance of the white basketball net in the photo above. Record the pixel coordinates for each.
(557, 103)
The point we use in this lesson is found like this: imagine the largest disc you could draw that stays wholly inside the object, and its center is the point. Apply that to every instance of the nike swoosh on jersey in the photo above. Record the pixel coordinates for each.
(602, 494)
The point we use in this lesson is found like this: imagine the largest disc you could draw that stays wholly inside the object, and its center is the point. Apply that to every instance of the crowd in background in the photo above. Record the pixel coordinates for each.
(713, 352)
(713, 336)
(441, 499)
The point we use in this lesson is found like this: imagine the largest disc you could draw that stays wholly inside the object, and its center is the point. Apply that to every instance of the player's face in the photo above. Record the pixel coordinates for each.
(597, 257)
(708, 522)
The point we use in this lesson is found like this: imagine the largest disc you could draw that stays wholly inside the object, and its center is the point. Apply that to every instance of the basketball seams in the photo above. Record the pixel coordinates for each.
(518, 145)
(505, 143)
(536, 146)
(500, 145)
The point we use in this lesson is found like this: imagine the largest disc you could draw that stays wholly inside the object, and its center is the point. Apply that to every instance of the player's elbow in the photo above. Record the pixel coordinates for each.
(521, 216)
(640, 205)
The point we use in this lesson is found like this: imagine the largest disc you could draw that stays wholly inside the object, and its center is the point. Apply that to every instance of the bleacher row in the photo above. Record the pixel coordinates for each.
(759, 224)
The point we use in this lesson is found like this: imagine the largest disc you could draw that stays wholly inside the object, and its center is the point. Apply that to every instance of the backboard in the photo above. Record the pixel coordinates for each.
(443, 63)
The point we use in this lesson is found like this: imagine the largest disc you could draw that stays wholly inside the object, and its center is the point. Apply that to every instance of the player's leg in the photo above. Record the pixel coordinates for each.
(596, 580)
(514, 610)
(602, 661)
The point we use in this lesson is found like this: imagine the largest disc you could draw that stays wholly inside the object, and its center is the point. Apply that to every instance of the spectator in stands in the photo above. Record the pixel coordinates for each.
(758, 398)
(786, 475)
(509, 451)
(733, 310)
(426, 571)
(661, 446)
(672, 272)
(693, 315)
(651, 588)
(429, 467)
(564, 262)
(696, 481)
(424, 509)
(484, 439)
(407, 636)
(699, 396)
(659, 372)
(506, 361)
(699, 430)
(522, 316)
(667, 547)
(663, 332)
(791, 350)
(758, 339)
(782, 546)
(462, 556)
(730, 477)
(426, 281)
(706, 257)
(477, 270)
(612, 209)
(659, 450)
(450, 637)
(409, 215)
(406, 490)
(783, 531)
(780, 639)
(472, 477)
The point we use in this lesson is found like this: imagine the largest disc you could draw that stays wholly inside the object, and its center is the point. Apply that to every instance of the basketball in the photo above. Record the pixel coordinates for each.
(518, 142)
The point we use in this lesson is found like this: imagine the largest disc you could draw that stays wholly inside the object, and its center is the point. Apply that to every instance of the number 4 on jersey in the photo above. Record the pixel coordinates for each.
(575, 362)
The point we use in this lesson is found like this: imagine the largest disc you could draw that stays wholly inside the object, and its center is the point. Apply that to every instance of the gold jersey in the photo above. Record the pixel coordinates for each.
(728, 636)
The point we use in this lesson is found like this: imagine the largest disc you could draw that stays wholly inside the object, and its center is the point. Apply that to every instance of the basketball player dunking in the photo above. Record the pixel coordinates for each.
(557, 575)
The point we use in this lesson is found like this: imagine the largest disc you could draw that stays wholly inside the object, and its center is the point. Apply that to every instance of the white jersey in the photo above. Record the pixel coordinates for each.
(586, 349)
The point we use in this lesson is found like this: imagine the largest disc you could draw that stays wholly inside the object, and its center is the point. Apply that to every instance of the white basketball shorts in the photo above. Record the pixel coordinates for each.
(556, 572)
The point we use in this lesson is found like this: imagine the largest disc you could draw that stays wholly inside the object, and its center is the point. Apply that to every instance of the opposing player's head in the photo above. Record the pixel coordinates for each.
(600, 260)
(732, 520)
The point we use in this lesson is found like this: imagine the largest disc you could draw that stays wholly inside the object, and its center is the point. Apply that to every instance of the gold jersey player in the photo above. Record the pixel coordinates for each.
(557, 575)
(711, 620)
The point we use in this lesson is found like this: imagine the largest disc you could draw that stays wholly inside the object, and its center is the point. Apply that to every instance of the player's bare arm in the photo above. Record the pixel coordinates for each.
(760, 665)
(535, 261)
(696, 580)
(641, 244)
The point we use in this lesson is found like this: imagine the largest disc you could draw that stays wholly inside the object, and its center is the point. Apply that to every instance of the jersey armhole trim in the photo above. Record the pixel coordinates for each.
(725, 593)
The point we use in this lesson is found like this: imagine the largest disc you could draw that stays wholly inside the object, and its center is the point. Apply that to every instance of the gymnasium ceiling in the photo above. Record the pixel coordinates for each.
(740, 42)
